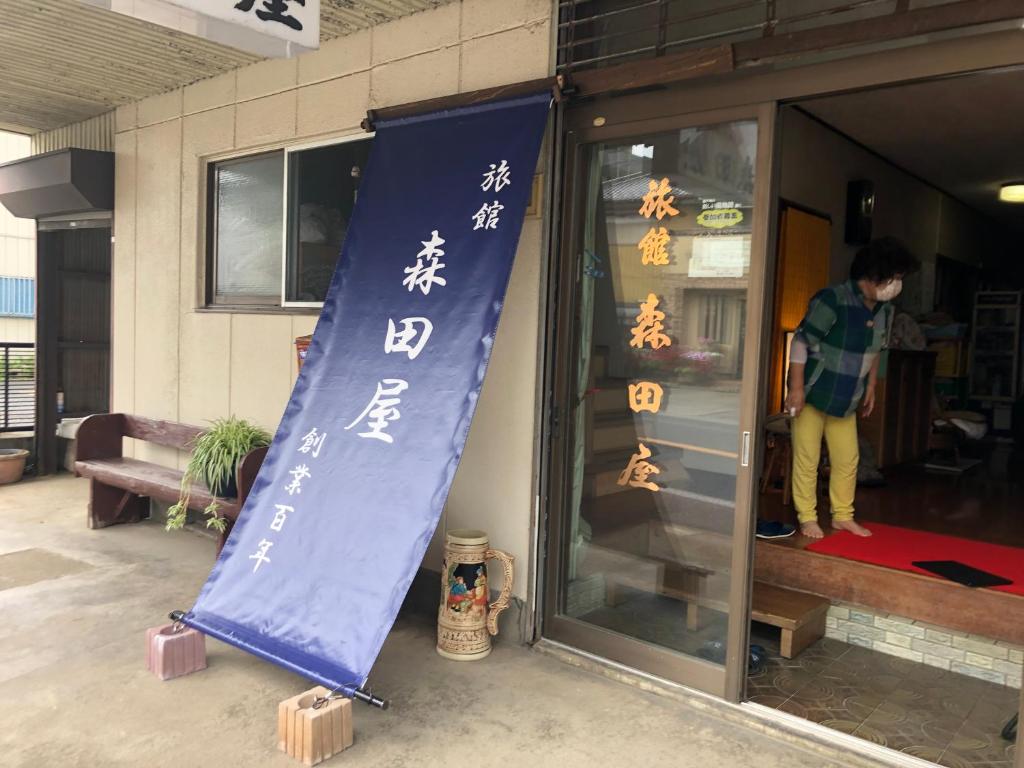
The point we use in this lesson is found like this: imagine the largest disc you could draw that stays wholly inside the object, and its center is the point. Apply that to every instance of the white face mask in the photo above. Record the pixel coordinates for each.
(889, 291)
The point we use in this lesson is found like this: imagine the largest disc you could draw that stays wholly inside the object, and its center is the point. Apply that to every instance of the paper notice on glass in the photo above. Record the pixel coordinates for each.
(720, 256)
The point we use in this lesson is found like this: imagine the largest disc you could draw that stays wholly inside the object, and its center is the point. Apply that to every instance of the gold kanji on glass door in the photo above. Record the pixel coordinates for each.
(660, 317)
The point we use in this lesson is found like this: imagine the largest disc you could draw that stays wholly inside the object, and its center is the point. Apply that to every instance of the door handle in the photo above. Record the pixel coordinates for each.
(745, 451)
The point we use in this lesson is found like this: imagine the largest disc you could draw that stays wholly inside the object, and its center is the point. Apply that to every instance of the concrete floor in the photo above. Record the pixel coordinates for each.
(74, 690)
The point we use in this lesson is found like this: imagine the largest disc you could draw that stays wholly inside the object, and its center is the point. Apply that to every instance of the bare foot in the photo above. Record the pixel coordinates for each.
(852, 526)
(812, 530)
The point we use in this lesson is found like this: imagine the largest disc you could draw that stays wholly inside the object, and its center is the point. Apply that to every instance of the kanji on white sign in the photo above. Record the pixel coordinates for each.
(414, 329)
(280, 516)
(382, 409)
(312, 442)
(498, 176)
(261, 554)
(487, 216)
(428, 264)
(300, 473)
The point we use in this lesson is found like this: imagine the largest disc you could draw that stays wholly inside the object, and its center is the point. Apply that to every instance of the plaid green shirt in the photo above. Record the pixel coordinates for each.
(843, 339)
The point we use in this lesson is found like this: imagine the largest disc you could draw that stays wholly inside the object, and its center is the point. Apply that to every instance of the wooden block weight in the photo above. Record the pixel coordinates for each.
(171, 654)
(314, 735)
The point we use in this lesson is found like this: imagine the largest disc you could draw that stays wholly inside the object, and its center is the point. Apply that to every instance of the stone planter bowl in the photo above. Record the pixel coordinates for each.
(12, 464)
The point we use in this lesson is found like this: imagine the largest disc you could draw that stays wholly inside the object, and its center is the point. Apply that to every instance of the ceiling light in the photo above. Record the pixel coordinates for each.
(1012, 192)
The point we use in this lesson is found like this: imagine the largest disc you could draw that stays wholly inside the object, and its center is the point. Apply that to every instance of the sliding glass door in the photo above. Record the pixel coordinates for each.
(659, 322)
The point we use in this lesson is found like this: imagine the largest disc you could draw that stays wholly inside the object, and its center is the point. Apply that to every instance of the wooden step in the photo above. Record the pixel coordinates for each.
(800, 616)
(611, 433)
(785, 608)
(603, 459)
(923, 598)
(672, 541)
(625, 568)
(694, 548)
(599, 363)
(602, 479)
(605, 483)
(619, 569)
(611, 511)
(609, 399)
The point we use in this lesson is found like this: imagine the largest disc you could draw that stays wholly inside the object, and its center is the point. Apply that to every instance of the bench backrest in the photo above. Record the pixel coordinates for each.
(170, 434)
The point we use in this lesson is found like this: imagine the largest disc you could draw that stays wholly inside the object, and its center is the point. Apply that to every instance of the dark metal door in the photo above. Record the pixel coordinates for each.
(73, 327)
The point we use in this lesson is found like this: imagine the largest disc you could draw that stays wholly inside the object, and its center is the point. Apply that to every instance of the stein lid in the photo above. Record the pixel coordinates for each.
(466, 536)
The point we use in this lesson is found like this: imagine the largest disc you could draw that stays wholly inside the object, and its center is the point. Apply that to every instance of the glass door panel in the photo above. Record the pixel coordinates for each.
(652, 438)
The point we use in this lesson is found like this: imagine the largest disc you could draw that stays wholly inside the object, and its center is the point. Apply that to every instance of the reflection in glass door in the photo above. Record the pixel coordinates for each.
(653, 374)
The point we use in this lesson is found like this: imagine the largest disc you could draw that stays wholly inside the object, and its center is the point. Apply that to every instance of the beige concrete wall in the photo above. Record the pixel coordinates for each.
(174, 360)
(817, 163)
(17, 243)
(17, 329)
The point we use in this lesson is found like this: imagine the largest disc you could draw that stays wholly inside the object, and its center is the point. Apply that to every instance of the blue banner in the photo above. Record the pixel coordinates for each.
(337, 523)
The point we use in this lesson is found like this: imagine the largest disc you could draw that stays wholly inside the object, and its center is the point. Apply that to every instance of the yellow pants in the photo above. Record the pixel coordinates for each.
(844, 456)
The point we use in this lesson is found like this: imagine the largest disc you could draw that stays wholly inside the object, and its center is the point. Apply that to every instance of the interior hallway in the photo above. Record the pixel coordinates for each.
(984, 503)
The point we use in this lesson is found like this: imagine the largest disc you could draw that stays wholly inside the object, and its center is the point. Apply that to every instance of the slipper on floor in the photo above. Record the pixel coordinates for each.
(770, 529)
(1010, 729)
(714, 650)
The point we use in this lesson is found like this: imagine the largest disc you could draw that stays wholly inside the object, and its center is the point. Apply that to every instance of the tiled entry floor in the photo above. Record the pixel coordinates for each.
(931, 713)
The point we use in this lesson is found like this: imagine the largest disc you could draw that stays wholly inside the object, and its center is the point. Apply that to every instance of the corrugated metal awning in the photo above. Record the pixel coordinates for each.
(64, 61)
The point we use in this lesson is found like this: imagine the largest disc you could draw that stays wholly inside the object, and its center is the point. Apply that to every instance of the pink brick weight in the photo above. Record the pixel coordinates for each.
(310, 734)
(171, 653)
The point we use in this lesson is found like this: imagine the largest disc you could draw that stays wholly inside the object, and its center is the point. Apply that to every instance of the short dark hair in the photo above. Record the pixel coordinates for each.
(881, 260)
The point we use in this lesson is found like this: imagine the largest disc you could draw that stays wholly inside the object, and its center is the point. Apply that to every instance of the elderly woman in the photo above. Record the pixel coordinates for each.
(832, 371)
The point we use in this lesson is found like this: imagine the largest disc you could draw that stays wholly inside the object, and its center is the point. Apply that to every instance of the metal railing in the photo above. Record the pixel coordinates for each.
(17, 387)
(596, 33)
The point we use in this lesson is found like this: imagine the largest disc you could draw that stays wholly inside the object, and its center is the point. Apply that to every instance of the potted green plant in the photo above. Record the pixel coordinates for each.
(214, 463)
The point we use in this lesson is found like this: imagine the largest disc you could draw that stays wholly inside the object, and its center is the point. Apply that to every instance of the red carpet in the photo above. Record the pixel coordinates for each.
(897, 548)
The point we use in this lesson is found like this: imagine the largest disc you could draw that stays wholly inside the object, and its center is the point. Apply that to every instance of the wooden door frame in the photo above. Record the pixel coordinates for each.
(757, 84)
(727, 682)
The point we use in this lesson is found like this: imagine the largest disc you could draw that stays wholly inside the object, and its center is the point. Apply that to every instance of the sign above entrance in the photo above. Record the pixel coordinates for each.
(278, 28)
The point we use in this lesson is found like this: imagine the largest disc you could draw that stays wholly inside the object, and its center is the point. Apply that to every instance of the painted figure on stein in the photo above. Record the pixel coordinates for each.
(466, 619)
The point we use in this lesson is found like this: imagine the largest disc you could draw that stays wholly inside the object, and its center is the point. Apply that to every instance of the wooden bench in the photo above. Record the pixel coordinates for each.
(121, 487)
(800, 616)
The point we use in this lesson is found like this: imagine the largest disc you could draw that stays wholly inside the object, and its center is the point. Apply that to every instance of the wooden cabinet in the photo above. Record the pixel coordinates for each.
(899, 427)
(801, 271)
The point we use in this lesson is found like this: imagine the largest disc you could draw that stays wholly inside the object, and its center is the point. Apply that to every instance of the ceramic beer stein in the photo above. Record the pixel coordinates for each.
(465, 620)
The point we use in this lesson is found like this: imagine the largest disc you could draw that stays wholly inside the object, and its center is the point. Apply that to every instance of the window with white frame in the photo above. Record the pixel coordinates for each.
(246, 218)
(277, 221)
